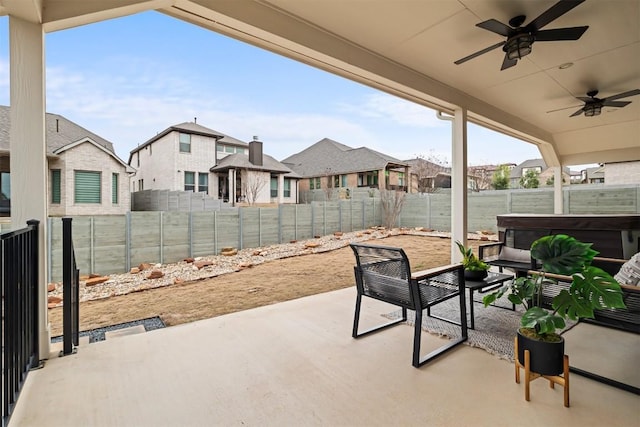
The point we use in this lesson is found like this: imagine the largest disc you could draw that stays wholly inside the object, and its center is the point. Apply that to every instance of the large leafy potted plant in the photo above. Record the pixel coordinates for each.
(590, 288)
(474, 267)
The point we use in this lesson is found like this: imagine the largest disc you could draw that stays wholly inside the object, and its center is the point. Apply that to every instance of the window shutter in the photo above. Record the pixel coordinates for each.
(87, 187)
(114, 188)
(55, 186)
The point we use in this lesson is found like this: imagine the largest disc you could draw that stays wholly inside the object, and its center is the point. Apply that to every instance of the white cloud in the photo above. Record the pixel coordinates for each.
(384, 106)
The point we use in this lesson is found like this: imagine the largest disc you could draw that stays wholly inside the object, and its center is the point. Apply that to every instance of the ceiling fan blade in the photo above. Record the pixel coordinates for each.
(573, 33)
(554, 12)
(577, 113)
(618, 104)
(495, 27)
(508, 63)
(584, 98)
(480, 52)
(623, 95)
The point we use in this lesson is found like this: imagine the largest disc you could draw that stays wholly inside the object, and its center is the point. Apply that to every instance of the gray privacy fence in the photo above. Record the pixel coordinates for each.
(114, 243)
(174, 201)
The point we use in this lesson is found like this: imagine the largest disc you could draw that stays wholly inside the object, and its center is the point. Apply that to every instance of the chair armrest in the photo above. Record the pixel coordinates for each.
(494, 248)
(431, 272)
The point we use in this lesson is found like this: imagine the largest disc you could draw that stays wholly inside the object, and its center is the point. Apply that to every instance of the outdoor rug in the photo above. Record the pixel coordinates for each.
(495, 327)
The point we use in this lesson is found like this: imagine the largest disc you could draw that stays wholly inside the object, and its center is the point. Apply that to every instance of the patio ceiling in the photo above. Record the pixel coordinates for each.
(408, 48)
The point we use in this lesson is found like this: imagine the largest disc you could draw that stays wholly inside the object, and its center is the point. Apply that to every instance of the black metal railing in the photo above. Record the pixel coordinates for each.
(70, 287)
(19, 276)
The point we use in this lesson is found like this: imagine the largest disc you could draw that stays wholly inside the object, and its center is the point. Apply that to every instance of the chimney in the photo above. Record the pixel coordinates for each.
(255, 152)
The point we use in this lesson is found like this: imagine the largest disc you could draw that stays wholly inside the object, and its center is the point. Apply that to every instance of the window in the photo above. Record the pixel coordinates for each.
(140, 184)
(228, 149)
(114, 188)
(343, 179)
(55, 186)
(138, 157)
(336, 181)
(241, 151)
(287, 187)
(401, 179)
(189, 181)
(274, 186)
(185, 142)
(368, 179)
(87, 186)
(314, 184)
(203, 182)
(5, 186)
(220, 147)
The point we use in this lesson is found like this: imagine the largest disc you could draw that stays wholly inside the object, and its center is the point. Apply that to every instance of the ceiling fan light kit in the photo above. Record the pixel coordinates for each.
(518, 46)
(592, 110)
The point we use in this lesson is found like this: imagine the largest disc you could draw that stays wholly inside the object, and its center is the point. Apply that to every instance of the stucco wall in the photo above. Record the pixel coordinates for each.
(622, 173)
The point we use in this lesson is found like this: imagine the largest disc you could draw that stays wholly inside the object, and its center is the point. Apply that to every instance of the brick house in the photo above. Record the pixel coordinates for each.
(85, 176)
(330, 164)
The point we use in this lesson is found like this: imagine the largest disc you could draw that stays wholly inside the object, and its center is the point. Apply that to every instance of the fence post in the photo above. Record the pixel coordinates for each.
(259, 226)
(127, 240)
(70, 283)
(92, 250)
(190, 234)
(162, 237)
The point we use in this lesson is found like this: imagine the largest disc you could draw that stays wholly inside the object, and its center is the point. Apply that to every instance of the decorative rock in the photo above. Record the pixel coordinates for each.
(93, 275)
(177, 281)
(316, 237)
(293, 241)
(229, 252)
(144, 266)
(256, 253)
(51, 287)
(52, 305)
(134, 270)
(311, 245)
(92, 281)
(54, 300)
(155, 274)
(338, 233)
(358, 235)
(189, 260)
(201, 264)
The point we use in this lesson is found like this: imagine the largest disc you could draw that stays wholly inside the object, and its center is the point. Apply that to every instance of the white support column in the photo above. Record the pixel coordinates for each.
(28, 162)
(232, 187)
(281, 188)
(558, 200)
(458, 182)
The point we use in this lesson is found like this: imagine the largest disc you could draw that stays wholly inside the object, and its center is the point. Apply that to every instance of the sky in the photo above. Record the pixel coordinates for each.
(128, 79)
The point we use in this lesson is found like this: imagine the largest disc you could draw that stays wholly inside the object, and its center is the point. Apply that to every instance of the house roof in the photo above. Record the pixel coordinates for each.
(328, 155)
(59, 132)
(516, 172)
(241, 161)
(194, 129)
(88, 140)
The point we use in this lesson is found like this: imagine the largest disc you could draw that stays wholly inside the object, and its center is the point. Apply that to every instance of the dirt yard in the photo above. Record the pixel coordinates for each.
(268, 283)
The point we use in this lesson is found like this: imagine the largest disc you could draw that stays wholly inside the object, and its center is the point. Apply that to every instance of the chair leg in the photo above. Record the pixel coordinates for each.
(356, 321)
(356, 317)
(417, 334)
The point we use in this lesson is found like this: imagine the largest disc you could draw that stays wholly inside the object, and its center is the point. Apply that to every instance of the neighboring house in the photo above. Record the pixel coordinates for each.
(256, 178)
(594, 175)
(85, 176)
(427, 176)
(184, 157)
(328, 164)
(545, 174)
(179, 158)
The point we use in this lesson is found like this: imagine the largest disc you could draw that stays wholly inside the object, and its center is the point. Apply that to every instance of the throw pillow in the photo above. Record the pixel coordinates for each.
(515, 255)
(629, 273)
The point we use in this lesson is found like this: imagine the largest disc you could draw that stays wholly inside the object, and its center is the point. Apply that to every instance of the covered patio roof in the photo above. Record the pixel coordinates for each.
(409, 48)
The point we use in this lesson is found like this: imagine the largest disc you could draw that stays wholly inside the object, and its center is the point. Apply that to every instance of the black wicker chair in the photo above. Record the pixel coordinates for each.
(383, 273)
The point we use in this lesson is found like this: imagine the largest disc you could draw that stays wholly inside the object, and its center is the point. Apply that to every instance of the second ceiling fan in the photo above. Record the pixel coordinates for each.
(520, 39)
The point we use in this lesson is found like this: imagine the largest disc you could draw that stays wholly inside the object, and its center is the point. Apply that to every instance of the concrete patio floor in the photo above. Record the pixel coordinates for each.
(295, 364)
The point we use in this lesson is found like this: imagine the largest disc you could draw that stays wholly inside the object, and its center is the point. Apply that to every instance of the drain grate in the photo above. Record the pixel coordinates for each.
(98, 334)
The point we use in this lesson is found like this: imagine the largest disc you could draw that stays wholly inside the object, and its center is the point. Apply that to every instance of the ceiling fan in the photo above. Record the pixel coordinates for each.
(520, 39)
(593, 106)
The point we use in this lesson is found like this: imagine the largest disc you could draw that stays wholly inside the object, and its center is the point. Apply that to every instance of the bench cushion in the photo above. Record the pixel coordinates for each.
(515, 255)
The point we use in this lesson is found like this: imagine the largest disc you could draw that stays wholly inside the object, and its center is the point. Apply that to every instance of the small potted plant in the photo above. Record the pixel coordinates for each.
(474, 267)
(587, 288)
